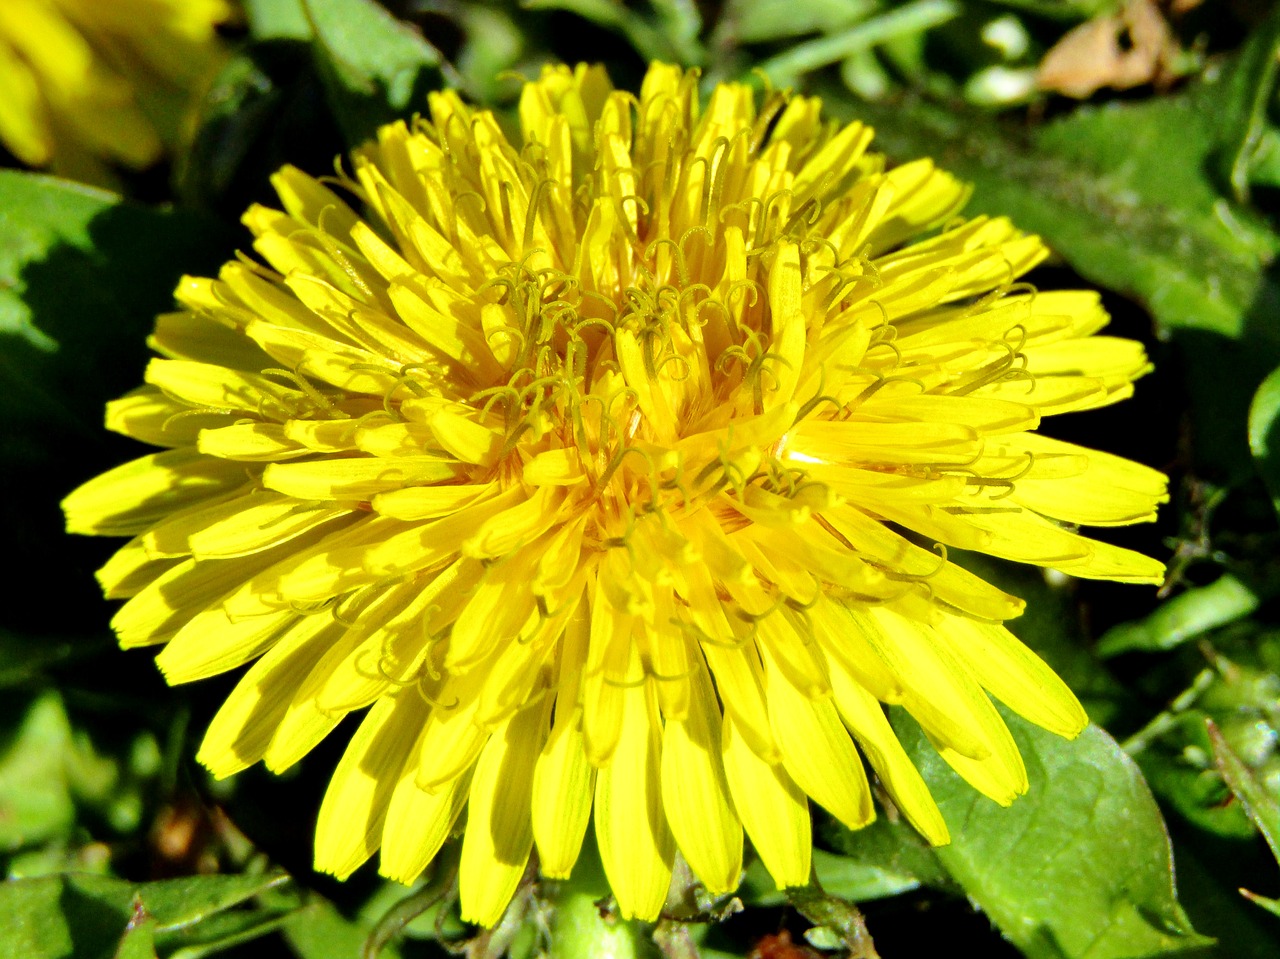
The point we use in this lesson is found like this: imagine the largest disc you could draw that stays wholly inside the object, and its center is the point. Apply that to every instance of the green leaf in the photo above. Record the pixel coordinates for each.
(375, 67)
(23, 662)
(1208, 878)
(910, 19)
(1261, 807)
(82, 276)
(1264, 433)
(681, 22)
(139, 939)
(1248, 91)
(1264, 160)
(493, 46)
(580, 931)
(36, 802)
(264, 109)
(889, 847)
(858, 879)
(1080, 867)
(1069, 10)
(668, 30)
(1270, 905)
(48, 770)
(1183, 618)
(1239, 694)
(277, 19)
(768, 21)
(833, 915)
(90, 917)
(319, 931)
(1173, 752)
(219, 933)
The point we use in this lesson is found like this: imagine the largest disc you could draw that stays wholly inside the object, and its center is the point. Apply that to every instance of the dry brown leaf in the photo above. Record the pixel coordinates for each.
(1119, 51)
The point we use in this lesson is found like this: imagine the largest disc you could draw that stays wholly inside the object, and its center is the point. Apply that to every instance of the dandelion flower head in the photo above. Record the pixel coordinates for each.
(600, 468)
(86, 84)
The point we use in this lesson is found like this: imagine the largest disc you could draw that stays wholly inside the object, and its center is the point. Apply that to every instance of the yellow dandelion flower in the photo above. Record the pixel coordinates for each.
(595, 467)
(88, 83)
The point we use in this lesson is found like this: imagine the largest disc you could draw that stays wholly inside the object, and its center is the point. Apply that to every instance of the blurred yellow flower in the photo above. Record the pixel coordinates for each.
(85, 84)
(595, 467)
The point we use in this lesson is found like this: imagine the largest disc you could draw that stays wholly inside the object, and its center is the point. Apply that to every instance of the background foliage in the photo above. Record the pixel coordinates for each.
(1139, 138)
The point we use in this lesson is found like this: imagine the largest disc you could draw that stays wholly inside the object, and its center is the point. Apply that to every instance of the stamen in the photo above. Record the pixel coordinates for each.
(322, 402)
(200, 411)
(359, 600)
(431, 701)
(773, 105)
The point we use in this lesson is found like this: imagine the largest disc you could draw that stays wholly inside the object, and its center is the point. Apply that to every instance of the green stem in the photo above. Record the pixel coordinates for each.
(915, 17)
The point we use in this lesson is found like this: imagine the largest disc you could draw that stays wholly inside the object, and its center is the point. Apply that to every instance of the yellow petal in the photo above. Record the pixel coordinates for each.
(383, 653)
(563, 779)
(333, 568)
(243, 727)
(495, 613)
(942, 698)
(130, 498)
(155, 613)
(210, 386)
(355, 479)
(302, 728)
(561, 467)
(452, 338)
(631, 828)
(773, 809)
(349, 828)
(794, 653)
(418, 823)
(131, 569)
(23, 126)
(735, 666)
(642, 376)
(948, 581)
(249, 442)
(866, 720)
(426, 544)
(1014, 675)
(467, 440)
(695, 793)
(843, 638)
(787, 333)
(429, 502)
(563, 782)
(211, 643)
(452, 738)
(147, 414)
(311, 202)
(613, 663)
(499, 833)
(954, 706)
(923, 197)
(513, 528)
(816, 749)
(355, 661)
(263, 520)
(172, 537)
